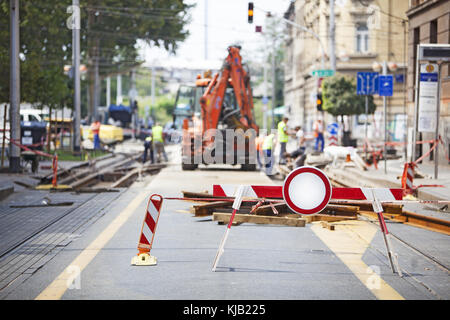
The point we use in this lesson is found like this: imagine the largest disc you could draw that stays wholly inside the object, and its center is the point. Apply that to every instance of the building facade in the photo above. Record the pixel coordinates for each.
(429, 22)
(367, 34)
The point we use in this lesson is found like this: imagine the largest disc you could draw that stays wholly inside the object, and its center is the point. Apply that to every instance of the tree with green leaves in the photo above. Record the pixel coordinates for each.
(113, 27)
(340, 98)
(110, 31)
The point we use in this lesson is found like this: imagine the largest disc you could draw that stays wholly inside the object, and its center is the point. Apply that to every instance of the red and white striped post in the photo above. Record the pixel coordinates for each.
(392, 256)
(241, 192)
(332, 140)
(55, 171)
(148, 230)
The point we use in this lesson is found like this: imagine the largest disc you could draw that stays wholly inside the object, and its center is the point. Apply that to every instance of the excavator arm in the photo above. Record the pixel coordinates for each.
(234, 75)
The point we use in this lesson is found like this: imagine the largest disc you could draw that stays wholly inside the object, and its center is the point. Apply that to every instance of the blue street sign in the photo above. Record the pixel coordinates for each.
(386, 85)
(265, 100)
(366, 83)
(428, 77)
(399, 78)
(332, 128)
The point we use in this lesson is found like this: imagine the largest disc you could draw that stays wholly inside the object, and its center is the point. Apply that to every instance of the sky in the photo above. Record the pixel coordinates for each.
(227, 24)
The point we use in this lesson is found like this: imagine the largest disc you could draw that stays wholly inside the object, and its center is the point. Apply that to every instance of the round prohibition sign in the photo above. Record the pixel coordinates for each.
(307, 190)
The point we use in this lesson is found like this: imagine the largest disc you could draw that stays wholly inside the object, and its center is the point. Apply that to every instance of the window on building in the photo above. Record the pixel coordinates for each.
(433, 31)
(362, 37)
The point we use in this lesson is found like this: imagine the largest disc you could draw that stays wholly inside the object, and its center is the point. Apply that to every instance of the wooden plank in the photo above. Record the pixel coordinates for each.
(327, 225)
(390, 216)
(267, 209)
(247, 218)
(125, 179)
(23, 184)
(342, 208)
(189, 194)
(207, 209)
(328, 218)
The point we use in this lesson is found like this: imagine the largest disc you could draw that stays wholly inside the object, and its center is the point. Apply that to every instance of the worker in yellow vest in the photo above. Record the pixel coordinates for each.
(267, 148)
(283, 138)
(158, 141)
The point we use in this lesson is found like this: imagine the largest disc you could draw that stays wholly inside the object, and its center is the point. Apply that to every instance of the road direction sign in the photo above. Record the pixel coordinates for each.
(323, 73)
(366, 83)
(332, 128)
(307, 190)
(386, 85)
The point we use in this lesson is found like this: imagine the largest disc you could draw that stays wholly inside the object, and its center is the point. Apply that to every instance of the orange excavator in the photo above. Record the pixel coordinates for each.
(226, 105)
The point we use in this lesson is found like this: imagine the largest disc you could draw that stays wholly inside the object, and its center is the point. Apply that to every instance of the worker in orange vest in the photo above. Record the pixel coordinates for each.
(259, 151)
(95, 128)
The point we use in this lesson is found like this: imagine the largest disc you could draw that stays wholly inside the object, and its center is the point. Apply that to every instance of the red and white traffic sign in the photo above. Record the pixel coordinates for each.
(307, 190)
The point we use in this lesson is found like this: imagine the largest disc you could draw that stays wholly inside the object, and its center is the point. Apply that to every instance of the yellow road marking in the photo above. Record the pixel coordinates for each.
(349, 248)
(183, 211)
(59, 286)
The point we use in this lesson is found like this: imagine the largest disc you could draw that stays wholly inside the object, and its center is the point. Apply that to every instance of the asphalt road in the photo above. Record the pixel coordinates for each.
(259, 262)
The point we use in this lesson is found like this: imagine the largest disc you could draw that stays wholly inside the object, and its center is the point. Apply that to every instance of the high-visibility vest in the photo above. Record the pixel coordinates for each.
(268, 142)
(282, 136)
(259, 142)
(148, 139)
(157, 132)
(95, 127)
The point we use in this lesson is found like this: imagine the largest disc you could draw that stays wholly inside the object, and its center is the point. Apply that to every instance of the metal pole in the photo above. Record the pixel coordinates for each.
(14, 160)
(97, 80)
(153, 85)
(206, 29)
(273, 85)
(132, 99)
(76, 78)
(416, 105)
(108, 91)
(365, 124)
(265, 96)
(119, 90)
(385, 134)
(4, 134)
(332, 37)
(385, 121)
(405, 134)
(436, 138)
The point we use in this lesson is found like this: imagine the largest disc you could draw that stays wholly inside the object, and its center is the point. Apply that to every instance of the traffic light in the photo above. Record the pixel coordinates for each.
(250, 12)
(319, 101)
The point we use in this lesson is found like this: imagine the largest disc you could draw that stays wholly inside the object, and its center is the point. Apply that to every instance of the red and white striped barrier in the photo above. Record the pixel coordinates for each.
(276, 192)
(148, 229)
